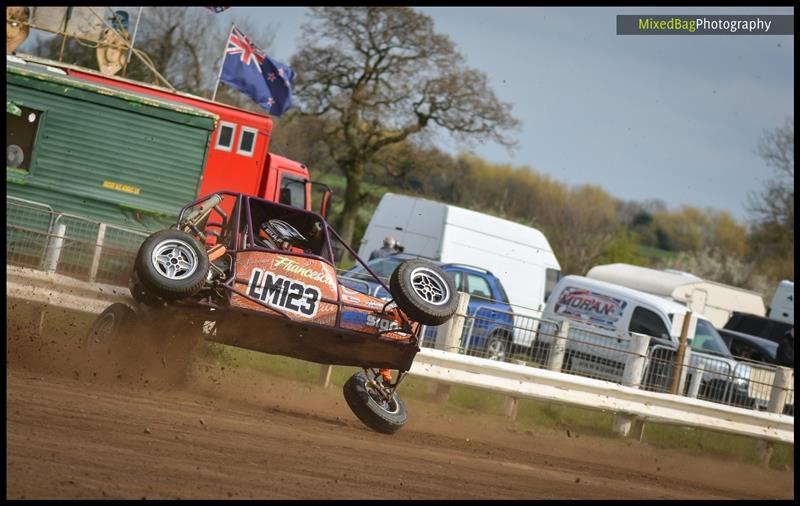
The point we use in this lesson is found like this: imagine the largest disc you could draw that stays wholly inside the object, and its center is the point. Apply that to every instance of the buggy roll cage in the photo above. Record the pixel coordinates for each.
(193, 214)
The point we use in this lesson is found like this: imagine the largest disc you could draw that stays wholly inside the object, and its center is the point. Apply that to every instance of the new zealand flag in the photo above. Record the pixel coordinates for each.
(249, 70)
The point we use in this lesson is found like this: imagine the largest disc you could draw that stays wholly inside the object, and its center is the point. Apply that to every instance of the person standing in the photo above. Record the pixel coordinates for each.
(389, 248)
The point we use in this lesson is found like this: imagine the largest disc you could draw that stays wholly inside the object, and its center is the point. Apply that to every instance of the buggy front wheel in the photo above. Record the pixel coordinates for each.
(371, 407)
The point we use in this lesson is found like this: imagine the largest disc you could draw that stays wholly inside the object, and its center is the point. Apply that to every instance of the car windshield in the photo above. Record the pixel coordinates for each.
(383, 267)
(706, 338)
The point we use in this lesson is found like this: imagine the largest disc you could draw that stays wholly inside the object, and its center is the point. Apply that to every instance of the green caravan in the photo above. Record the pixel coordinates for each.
(86, 153)
(115, 156)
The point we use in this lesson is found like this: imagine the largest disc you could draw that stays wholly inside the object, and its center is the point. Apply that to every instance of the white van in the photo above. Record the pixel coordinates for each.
(782, 306)
(601, 317)
(520, 256)
(715, 301)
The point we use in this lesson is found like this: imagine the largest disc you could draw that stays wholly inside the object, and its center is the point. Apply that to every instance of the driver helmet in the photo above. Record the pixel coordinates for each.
(277, 234)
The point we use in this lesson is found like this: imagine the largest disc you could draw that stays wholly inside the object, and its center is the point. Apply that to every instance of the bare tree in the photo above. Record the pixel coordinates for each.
(380, 75)
(775, 202)
(772, 235)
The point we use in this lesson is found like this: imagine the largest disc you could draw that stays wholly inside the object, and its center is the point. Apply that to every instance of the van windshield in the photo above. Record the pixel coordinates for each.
(383, 267)
(706, 338)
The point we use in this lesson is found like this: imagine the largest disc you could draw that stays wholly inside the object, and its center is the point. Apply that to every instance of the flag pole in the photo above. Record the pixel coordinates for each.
(133, 40)
(222, 64)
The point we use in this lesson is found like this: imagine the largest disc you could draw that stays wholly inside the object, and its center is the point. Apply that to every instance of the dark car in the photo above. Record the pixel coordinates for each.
(749, 346)
(488, 332)
(759, 326)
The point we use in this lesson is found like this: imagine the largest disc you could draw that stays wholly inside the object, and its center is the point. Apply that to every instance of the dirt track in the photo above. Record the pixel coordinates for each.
(83, 430)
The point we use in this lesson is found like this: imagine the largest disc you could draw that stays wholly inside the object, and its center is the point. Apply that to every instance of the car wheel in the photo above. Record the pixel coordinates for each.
(172, 265)
(497, 346)
(423, 291)
(371, 408)
(109, 329)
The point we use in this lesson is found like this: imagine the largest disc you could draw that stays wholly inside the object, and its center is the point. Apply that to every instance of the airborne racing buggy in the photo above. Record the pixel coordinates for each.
(260, 275)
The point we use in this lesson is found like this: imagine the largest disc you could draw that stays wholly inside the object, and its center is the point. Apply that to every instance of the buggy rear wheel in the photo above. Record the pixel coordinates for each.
(369, 405)
(171, 264)
(424, 292)
(109, 329)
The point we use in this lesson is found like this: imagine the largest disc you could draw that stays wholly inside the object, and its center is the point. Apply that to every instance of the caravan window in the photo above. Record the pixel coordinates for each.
(225, 136)
(22, 123)
(247, 141)
(647, 322)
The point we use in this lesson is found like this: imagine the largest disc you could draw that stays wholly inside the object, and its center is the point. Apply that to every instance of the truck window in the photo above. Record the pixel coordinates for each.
(706, 338)
(501, 296)
(478, 287)
(247, 141)
(293, 192)
(551, 279)
(225, 136)
(456, 277)
(647, 322)
(20, 136)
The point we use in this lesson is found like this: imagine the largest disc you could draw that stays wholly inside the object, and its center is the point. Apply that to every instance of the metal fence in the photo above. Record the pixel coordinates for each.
(590, 350)
(89, 250)
(41, 238)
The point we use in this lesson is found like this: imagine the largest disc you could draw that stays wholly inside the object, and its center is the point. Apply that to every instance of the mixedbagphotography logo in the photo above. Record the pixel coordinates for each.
(710, 24)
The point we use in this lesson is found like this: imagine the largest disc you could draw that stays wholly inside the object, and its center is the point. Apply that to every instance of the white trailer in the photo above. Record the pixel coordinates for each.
(715, 301)
(782, 306)
(520, 256)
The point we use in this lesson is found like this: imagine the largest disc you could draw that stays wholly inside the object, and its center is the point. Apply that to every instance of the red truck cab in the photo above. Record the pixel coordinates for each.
(238, 155)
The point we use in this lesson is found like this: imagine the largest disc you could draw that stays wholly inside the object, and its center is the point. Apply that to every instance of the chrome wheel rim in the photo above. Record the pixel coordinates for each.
(430, 286)
(496, 349)
(389, 406)
(174, 259)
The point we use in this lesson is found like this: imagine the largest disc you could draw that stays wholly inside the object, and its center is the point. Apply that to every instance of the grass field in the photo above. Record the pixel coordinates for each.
(531, 414)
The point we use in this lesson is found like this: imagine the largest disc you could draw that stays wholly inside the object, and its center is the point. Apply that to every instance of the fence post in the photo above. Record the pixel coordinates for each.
(678, 372)
(687, 357)
(448, 334)
(784, 378)
(632, 377)
(325, 371)
(511, 405)
(556, 358)
(448, 338)
(54, 246)
(98, 249)
(694, 384)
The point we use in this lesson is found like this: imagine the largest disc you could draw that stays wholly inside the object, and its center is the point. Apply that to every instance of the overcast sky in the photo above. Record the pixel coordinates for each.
(675, 118)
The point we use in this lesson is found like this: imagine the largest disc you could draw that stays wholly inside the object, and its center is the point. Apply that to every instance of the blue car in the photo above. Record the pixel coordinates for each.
(488, 330)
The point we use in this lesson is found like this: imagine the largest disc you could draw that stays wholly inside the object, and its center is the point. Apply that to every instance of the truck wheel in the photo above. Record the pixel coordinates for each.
(423, 291)
(109, 329)
(171, 264)
(371, 408)
(497, 346)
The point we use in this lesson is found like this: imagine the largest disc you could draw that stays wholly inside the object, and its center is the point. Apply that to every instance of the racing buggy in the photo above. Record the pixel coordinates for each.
(260, 275)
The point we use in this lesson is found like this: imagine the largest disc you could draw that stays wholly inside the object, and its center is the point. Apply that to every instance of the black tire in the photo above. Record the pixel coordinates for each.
(384, 417)
(110, 329)
(423, 292)
(182, 271)
(497, 346)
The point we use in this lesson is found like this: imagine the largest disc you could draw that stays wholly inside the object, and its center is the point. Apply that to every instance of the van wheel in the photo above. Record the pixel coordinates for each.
(497, 346)
(172, 265)
(424, 292)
